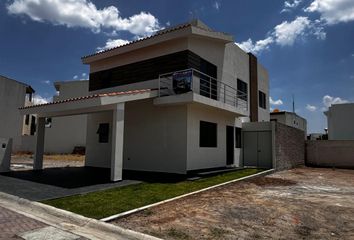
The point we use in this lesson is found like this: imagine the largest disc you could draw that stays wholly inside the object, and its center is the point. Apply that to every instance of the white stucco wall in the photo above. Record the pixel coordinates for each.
(98, 154)
(340, 118)
(67, 132)
(155, 137)
(12, 96)
(202, 157)
(263, 85)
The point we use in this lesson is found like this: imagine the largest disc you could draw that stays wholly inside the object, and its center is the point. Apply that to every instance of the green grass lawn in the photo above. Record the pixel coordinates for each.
(113, 201)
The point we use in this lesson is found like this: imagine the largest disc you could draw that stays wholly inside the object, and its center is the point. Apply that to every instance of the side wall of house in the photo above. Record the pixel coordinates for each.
(67, 132)
(263, 85)
(340, 122)
(12, 96)
(205, 157)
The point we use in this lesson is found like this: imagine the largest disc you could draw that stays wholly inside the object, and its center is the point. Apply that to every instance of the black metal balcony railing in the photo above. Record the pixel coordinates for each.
(193, 80)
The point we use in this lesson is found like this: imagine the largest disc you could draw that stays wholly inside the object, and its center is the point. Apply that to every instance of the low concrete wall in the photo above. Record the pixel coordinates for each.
(289, 147)
(330, 153)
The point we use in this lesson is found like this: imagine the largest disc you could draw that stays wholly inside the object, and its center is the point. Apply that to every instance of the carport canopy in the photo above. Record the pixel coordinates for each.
(114, 102)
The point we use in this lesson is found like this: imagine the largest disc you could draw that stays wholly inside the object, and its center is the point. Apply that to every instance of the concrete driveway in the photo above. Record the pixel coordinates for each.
(57, 182)
(303, 203)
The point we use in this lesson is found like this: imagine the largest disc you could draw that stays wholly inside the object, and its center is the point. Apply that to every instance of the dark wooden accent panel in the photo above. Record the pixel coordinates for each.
(150, 69)
(253, 88)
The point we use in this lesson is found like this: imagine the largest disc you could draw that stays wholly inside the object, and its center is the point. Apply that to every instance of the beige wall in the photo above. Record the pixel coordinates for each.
(12, 96)
(155, 137)
(98, 154)
(201, 157)
(157, 50)
(340, 119)
(263, 85)
(67, 132)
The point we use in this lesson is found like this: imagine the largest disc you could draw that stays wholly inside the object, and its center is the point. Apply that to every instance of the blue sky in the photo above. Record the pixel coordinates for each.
(306, 45)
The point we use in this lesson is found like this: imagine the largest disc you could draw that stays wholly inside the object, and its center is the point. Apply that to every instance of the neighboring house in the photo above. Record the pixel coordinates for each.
(63, 134)
(13, 95)
(290, 119)
(340, 119)
(173, 102)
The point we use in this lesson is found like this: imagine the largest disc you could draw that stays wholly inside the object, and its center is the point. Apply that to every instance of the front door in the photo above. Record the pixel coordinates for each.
(230, 145)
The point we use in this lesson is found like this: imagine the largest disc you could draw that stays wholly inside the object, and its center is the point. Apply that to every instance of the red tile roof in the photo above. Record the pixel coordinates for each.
(91, 96)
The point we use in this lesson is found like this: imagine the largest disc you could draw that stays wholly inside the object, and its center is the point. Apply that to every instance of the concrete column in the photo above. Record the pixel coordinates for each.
(117, 142)
(38, 155)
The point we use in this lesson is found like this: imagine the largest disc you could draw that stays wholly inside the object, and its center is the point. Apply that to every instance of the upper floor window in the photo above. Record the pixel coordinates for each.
(262, 100)
(242, 88)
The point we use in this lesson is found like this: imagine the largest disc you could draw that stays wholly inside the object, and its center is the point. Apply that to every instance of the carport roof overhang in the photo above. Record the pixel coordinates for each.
(87, 104)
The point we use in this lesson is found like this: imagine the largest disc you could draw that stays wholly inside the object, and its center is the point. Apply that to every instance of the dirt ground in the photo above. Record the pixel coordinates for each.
(25, 161)
(302, 203)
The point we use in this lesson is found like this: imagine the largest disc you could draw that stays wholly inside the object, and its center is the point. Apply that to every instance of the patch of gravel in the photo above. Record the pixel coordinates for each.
(302, 203)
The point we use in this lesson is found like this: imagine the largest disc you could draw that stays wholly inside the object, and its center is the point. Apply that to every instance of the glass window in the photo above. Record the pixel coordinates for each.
(207, 134)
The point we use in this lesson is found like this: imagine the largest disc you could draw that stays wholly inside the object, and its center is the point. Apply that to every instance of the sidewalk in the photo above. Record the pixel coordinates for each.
(23, 219)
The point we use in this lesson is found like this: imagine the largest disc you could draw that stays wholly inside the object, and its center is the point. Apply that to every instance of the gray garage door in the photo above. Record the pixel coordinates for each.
(257, 149)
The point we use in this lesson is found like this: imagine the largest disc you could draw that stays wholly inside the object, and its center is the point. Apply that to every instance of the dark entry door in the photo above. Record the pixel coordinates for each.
(230, 145)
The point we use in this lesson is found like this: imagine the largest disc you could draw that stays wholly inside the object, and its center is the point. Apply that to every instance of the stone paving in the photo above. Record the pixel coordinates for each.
(12, 224)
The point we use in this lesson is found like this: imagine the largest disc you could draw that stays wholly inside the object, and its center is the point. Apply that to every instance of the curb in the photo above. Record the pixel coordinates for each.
(127, 213)
(70, 222)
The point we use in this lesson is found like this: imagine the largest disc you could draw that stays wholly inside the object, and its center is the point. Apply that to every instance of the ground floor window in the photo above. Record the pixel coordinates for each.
(207, 134)
(103, 133)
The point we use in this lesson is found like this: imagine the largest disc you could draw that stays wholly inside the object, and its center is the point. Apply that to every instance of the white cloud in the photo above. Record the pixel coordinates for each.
(84, 13)
(46, 82)
(75, 77)
(275, 102)
(333, 11)
(217, 5)
(289, 5)
(329, 100)
(285, 34)
(37, 99)
(111, 43)
(256, 47)
(311, 108)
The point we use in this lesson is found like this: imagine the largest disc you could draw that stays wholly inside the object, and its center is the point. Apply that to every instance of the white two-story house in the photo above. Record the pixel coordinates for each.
(173, 102)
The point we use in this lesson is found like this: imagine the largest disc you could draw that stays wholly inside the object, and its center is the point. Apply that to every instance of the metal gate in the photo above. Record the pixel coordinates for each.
(257, 149)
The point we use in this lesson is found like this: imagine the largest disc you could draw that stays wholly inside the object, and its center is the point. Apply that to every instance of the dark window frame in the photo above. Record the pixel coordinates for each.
(262, 99)
(103, 133)
(242, 86)
(208, 134)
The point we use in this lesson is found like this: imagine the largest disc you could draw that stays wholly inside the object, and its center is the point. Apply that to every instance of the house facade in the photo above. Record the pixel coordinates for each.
(340, 118)
(173, 102)
(13, 95)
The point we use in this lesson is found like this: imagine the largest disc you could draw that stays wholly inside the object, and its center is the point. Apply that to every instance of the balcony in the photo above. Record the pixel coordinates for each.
(193, 81)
